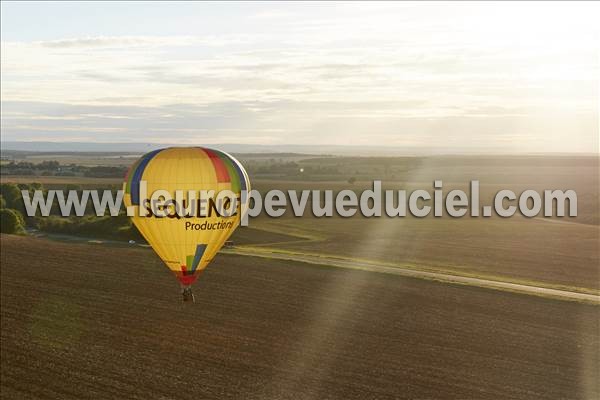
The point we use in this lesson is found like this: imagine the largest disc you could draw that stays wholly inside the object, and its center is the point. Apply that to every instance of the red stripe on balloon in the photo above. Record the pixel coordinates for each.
(220, 167)
(184, 278)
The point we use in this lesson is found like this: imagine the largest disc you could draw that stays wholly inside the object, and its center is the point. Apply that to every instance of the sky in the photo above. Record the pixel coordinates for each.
(484, 77)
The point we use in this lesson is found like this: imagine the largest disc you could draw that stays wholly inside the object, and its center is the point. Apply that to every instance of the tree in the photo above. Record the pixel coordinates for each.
(11, 221)
(2, 202)
(11, 194)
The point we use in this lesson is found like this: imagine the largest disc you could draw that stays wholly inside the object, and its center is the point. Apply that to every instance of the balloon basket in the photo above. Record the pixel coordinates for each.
(187, 294)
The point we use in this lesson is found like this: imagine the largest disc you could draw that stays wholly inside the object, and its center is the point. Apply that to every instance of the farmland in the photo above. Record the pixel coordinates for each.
(79, 322)
(553, 252)
(105, 320)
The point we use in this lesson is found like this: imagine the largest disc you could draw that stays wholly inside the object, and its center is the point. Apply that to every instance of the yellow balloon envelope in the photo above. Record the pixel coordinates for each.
(186, 244)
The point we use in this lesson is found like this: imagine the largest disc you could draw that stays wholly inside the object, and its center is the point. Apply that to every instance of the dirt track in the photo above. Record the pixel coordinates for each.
(375, 266)
(85, 321)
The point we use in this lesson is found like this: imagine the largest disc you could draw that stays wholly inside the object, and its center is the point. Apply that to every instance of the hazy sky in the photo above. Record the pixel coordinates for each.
(465, 76)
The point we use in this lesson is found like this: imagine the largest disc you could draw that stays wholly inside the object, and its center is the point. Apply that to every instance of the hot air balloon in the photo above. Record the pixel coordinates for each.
(186, 243)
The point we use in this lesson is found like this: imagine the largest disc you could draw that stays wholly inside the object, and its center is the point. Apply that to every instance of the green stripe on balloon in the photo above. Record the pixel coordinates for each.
(192, 262)
(239, 180)
(238, 168)
(189, 261)
(233, 174)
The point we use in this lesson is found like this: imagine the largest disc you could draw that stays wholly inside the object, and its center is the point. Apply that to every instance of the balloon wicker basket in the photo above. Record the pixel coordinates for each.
(187, 294)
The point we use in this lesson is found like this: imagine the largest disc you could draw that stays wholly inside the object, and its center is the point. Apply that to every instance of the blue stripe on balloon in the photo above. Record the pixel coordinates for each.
(137, 176)
(200, 249)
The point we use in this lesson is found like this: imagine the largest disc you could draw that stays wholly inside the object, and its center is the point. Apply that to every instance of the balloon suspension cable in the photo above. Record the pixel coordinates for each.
(188, 295)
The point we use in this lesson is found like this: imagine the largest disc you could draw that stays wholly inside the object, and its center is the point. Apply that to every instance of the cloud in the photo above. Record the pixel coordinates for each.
(301, 74)
(120, 42)
(272, 15)
(116, 41)
(274, 122)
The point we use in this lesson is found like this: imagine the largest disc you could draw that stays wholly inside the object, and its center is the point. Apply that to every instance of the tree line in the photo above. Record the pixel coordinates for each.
(54, 168)
(14, 219)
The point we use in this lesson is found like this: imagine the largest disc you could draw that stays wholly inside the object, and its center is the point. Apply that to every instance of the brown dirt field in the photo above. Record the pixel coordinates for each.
(84, 321)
